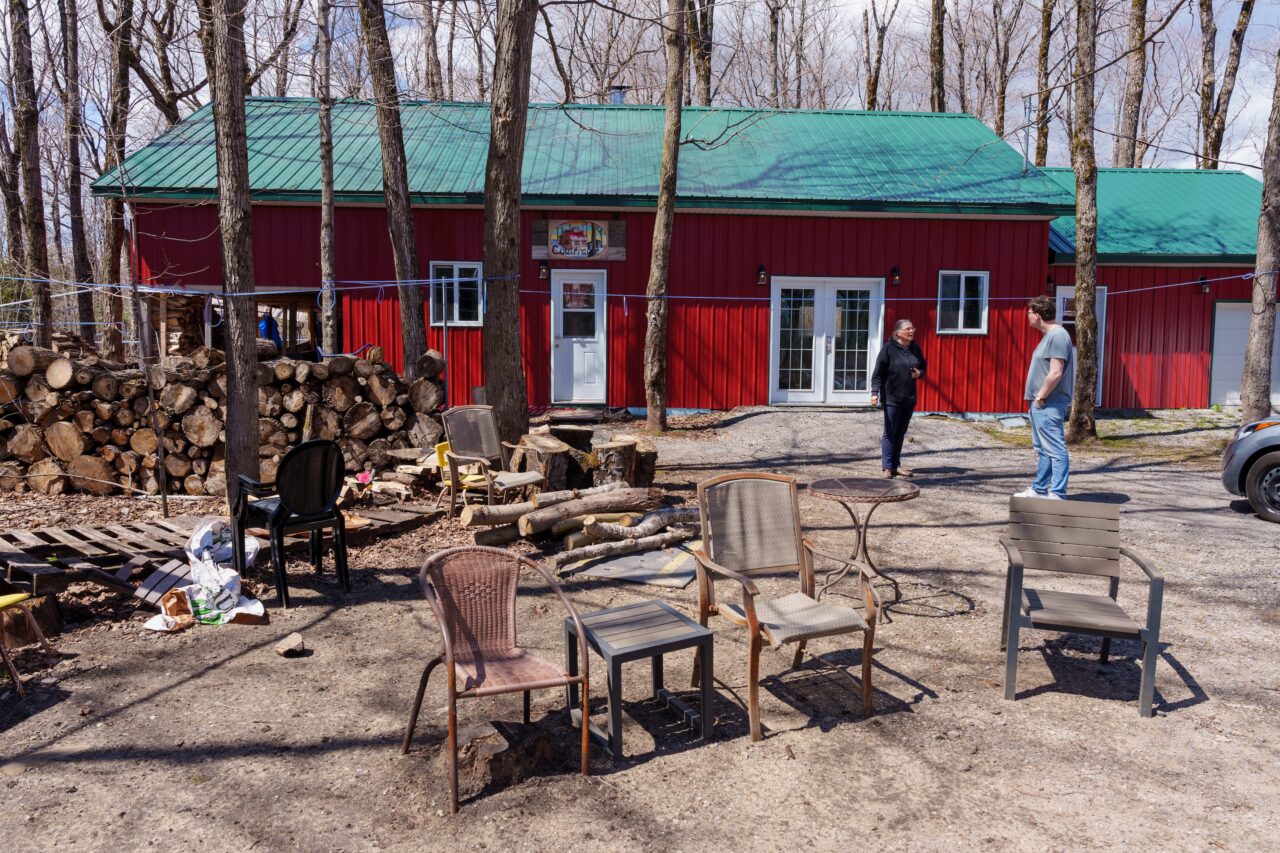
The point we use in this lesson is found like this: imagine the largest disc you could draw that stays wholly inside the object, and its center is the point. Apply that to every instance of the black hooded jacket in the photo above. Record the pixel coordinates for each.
(891, 380)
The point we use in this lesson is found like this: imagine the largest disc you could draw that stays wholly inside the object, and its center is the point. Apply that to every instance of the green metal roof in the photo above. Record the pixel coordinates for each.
(607, 156)
(1166, 216)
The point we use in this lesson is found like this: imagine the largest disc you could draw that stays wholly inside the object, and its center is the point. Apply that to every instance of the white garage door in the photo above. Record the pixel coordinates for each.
(1230, 331)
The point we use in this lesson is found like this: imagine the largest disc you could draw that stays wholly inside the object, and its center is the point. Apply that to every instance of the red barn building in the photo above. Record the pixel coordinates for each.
(800, 238)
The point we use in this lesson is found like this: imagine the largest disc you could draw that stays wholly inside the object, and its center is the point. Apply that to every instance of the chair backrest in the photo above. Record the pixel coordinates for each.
(751, 522)
(441, 449)
(309, 479)
(475, 587)
(1080, 537)
(472, 431)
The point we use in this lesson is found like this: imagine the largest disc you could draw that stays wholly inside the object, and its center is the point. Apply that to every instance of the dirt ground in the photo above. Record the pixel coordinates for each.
(208, 740)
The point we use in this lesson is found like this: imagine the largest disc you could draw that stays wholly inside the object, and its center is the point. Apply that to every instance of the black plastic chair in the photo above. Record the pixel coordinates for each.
(303, 497)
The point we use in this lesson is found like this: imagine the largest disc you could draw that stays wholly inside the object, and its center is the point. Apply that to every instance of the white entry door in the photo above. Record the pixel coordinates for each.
(1230, 333)
(577, 336)
(825, 334)
(1066, 300)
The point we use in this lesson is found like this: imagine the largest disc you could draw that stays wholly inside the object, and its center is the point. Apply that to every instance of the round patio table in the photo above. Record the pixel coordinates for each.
(850, 492)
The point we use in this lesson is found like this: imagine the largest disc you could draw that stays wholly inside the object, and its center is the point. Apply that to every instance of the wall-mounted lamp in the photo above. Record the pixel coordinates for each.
(762, 275)
(544, 270)
(1204, 285)
(895, 276)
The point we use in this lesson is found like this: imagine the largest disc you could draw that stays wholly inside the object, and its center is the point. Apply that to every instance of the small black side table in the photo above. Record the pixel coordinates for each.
(649, 629)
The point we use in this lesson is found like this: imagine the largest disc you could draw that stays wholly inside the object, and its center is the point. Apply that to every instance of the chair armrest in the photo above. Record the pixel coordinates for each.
(429, 593)
(246, 487)
(583, 657)
(1141, 562)
(1155, 592)
(1015, 556)
(466, 460)
(456, 461)
(848, 561)
(748, 586)
(866, 574)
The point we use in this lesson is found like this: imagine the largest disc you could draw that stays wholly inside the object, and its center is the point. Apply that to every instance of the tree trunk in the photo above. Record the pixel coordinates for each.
(10, 168)
(395, 181)
(1255, 384)
(702, 30)
(1126, 147)
(655, 336)
(81, 267)
(1213, 108)
(503, 362)
(1042, 83)
(121, 31)
(328, 269)
(937, 75)
(775, 9)
(1081, 426)
(431, 29)
(234, 221)
(26, 132)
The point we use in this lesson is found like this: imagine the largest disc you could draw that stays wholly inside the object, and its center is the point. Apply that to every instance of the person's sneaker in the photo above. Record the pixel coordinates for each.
(1052, 497)
(1029, 493)
(905, 472)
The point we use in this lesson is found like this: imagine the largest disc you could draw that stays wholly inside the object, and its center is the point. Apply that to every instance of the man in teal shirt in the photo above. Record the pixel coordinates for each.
(1051, 379)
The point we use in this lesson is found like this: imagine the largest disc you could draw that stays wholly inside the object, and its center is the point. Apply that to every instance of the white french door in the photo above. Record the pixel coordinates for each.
(1066, 302)
(824, 336)
(578, 336)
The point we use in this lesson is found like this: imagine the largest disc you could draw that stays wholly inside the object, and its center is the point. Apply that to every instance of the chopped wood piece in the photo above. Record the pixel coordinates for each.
(612, 501)
(26, 444)
(426, 395)
(543, 499)
(362, 421)
(614, 462)
(503, 535)
(92, 474)
(65, 440)
(26, 360)
(46, 477)
(431, 364)
(647, 526)
(572, 525)
(644, 467)
(144, 441)
(625, 546)
(201, 427)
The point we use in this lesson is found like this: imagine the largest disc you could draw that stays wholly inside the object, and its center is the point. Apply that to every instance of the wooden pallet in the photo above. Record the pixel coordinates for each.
(47, 560)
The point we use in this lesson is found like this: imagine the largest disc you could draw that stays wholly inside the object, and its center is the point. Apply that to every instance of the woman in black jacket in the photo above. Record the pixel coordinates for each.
(893, 382)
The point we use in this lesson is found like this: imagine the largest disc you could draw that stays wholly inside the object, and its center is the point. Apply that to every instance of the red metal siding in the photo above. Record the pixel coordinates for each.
(1158, 342)
(719, 346)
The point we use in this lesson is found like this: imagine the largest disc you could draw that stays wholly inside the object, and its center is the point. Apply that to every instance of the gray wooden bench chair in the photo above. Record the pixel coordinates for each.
(1082, 538)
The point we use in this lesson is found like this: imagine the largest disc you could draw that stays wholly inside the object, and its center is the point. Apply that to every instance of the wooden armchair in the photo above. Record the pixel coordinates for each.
(751, 526)
(1082, 538)
(472, 592)
(472, 432)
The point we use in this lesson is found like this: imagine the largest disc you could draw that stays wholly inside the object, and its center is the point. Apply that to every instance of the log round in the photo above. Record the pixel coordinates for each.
(178, 397)
(144, 441)
(426, 395)
(201, 427)
(60, 373)
(26, 444)
(339, 365)
(431, 364)
(10, 390)
(65, 440)
(362, 421)
(46, 477)
(341, 392)
(92, 474)
(26, 360)
(106, 387)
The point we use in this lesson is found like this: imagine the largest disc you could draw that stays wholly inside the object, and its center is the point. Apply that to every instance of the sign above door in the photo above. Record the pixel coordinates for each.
(579, 240)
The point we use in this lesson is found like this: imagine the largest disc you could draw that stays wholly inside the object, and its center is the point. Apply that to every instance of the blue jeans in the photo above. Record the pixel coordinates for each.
(1050, 444)
(897, 417)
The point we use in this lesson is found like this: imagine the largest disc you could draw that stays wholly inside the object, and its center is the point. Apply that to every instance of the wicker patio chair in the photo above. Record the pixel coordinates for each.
(472, 592)
(751, 526)
(472, 432)
(1082, 538)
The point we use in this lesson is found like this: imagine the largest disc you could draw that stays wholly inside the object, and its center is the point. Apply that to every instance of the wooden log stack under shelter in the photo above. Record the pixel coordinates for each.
(71, 422)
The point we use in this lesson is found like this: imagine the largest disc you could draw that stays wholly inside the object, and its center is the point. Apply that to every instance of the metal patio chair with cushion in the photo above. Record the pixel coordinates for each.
(751, 526)
(1080, 538)
(303, 498)
(472, 592)
(472, 432)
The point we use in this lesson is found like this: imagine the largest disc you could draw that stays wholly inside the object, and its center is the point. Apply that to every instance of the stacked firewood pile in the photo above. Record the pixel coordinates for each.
(87, 424)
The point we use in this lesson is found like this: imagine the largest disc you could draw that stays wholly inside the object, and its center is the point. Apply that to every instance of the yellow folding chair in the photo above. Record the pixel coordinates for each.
(19, 600)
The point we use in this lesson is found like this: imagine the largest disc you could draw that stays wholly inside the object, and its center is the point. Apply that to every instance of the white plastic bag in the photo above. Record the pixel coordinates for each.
(212, 541)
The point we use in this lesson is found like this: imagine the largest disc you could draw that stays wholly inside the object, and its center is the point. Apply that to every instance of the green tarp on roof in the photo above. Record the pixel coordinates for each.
(1166, 215)
(609, 156)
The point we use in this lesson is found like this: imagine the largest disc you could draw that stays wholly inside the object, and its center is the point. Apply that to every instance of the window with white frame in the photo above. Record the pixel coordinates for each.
(457, 292)
(962, 302)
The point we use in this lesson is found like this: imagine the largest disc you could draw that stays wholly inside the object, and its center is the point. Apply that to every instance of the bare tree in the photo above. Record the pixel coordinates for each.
(874, 29)
(655, 335)
(1081, 426)
(120, 30)
(1126, 144)
(503, 361)
(1042, 82)
(328, 269)
(431, 10)
(395, 181)
(11, 194)
(1255, 383)
(81, 266)
(1214, 105)
(775, 91)
(27, 142)
(937, 66)
(226, 20)
(702, 32)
